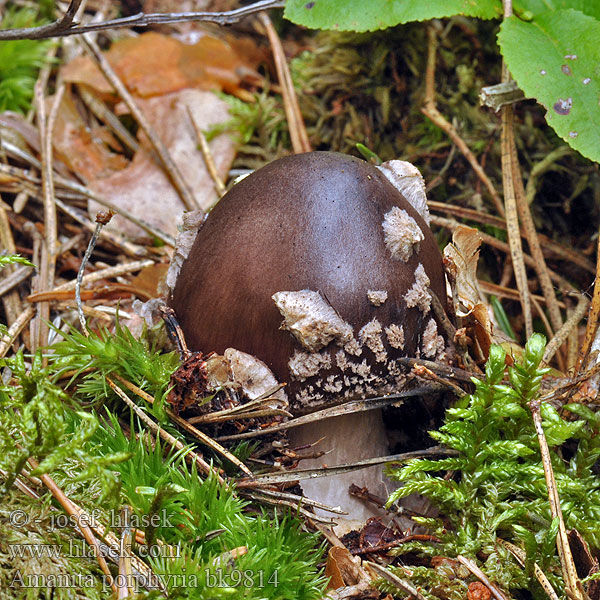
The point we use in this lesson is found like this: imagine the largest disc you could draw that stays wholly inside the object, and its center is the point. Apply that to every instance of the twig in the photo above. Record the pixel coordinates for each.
(174, 331)
(65, 26)
(173, 172)
(62, 182)
(207, 155)
(521, 557)
(431, 111)
(199, 435)
(403, 585)
(109, 236)
(81, 523)
(512, 219)
(535, 247)
(301, 500)
(548, 245)
(425, 373)
(19, 275)
(101, 220)
(561, 335)
(12, 302)
(125, 579)
(496, 243)
(48, 258)
(463, 375)
(572, 583)
(105, 114)
(178, 445)
(593, 318)
(296, 126)
(509, 293)
(482, 576)
(328, 413)
(301, 474)
(15, 329)
(121, 269)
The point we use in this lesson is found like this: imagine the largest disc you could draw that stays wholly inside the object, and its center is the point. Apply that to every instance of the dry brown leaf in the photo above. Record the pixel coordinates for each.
(83, 149)
(153, 64)
(461, 257)
(151, 279)
(143, 187)
(463, 254)
(342, 568)
(479, 318)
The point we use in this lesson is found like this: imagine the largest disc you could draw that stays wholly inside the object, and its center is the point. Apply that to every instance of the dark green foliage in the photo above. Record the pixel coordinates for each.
(498, 487)
(20, 61)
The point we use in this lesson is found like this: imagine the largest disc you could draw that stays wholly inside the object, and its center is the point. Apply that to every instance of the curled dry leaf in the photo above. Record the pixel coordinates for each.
(143, 187)
(343, 568)
(462, 254)
(461, 257)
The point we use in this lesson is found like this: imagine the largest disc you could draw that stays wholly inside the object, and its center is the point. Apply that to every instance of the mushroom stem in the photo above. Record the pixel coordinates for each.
(347, 439)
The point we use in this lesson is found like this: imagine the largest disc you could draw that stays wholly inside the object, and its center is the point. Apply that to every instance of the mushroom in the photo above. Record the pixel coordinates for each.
(318, 266)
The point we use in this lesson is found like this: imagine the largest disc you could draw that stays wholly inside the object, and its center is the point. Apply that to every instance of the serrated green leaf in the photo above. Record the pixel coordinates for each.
(556, 59)
(536, 7)
(357, 15)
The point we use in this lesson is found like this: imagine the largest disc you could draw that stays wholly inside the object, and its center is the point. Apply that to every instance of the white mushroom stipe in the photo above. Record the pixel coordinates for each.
(311, 319)
(407, 179)
(365, 437)
(377, 297)
(401, 233)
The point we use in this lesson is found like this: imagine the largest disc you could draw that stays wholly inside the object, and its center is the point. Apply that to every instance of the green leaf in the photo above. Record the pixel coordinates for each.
(358, 15)
(556, 59)
(536, 7)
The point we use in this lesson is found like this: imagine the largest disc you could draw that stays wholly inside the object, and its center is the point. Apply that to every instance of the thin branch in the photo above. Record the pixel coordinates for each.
(209, 161)
(101, 220)
(573, 585)
(496, 592)
(593, 318)
(71, 509)
(15, 329)
(563, 333)
(549, 246)
(296, 125)
(431, 111)
(65, 26)
(512, 218)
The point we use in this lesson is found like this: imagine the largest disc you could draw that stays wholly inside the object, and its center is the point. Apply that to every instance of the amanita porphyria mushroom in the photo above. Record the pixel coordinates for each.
(318, 266)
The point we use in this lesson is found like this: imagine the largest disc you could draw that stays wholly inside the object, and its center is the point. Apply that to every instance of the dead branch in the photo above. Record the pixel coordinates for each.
(65, 26)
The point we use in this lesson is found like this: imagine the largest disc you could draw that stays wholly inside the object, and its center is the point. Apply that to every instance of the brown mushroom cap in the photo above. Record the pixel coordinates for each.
(309, 221)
